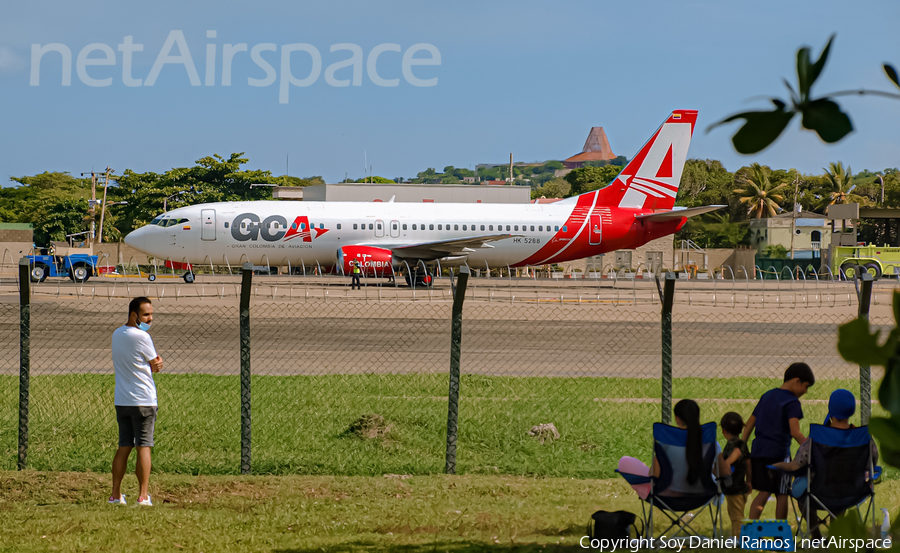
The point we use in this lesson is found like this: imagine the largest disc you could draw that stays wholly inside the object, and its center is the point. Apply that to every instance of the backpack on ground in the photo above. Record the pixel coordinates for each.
(612, 526)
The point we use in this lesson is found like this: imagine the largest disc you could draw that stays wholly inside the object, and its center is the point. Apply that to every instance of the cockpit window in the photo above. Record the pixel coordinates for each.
(168, 222)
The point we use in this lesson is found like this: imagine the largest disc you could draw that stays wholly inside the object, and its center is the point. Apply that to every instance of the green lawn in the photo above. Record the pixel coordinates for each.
(45, 511)
(300, 423)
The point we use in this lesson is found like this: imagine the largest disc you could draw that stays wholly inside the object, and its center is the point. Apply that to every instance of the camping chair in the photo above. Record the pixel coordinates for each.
(670, 492)
(837, 476)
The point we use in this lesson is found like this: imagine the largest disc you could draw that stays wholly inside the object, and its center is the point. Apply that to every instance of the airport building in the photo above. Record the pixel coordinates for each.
(416, 193)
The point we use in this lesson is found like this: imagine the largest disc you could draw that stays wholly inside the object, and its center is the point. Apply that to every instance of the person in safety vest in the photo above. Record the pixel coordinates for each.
(355, 279)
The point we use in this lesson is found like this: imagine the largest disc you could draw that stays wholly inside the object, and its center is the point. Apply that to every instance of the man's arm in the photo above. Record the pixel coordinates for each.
(748, 428)
(795, 430)
(156, 364)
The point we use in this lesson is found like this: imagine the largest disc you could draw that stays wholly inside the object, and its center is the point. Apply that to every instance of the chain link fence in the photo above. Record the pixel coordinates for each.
(9, 382)
(358, 386)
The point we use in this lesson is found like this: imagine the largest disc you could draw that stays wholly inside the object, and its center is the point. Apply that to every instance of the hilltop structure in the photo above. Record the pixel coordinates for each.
(596, 148)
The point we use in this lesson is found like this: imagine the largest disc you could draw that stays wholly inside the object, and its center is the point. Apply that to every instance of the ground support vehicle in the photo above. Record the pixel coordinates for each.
(77, 267)
(878, 261)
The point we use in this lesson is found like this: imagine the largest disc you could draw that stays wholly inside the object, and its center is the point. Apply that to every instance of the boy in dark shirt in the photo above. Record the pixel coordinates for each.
(734, 470)
(776, 419)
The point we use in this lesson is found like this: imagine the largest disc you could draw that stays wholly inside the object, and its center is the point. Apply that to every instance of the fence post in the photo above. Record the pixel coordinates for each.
(246, 284)
(24, 357)
(865, 373)
(459, 294)
(668, 300)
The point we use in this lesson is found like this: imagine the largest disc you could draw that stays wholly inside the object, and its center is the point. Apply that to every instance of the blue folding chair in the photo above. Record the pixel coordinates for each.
(841, 474)
(670, 492)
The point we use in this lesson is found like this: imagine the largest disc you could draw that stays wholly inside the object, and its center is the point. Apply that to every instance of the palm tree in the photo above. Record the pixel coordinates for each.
(758, 192)
(840, 186)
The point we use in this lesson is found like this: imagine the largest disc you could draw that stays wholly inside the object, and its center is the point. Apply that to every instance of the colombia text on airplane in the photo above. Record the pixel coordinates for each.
(635, 208)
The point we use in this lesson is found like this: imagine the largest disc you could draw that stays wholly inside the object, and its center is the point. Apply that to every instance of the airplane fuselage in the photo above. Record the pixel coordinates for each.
(297, 233)
(636, 207)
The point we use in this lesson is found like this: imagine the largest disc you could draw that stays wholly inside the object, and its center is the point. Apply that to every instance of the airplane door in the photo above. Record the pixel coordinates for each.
(379, 229)
(395, 229)
(208, 224)
(596, 232)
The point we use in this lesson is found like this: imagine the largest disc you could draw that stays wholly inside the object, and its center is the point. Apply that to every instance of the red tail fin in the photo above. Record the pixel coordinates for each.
(651, 179)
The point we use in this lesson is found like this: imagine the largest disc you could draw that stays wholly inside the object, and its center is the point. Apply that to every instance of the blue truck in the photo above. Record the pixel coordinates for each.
(78, 267)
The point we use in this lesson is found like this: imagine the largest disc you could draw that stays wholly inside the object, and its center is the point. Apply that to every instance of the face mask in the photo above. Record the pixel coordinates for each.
(143, 326)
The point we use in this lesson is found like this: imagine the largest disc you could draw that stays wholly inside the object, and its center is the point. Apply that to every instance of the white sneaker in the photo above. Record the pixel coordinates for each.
(146, 502)
(120, 501)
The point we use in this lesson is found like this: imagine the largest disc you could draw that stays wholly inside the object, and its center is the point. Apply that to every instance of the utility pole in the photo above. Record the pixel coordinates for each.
(103, 206)
(510, 169)
(92, 208)
(794, 213)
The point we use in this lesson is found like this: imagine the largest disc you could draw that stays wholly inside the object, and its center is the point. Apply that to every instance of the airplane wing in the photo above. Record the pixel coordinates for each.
(443, 248)
(678, 213)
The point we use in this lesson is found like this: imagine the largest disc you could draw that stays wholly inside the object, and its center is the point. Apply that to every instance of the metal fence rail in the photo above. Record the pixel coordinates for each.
(344, 386)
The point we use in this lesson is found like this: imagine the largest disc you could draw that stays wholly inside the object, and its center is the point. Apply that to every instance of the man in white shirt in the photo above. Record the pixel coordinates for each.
(134, 360)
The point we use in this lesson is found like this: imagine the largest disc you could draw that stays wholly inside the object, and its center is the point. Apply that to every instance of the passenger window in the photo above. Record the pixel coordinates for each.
(354, 226)
(464, 227)
(516, 227)
(540, 228)
(404, 226)
(414, 226)
(455, 227)
(379, 226)
(430, 227)
(565, 228)
(507, 228)
(394, 224)
(243, 224)
(482, 227)
(440, 227)
(339, 226)
(556, 228)
(370, 226)
(532, 228)
(226, 225)
(490, 227)
(322, 226)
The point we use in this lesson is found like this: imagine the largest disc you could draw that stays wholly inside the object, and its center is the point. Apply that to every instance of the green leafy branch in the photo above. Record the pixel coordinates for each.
(858, 344)
(822, 115)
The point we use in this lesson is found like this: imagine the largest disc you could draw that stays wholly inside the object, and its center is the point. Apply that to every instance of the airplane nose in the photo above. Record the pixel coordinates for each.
(138, 239)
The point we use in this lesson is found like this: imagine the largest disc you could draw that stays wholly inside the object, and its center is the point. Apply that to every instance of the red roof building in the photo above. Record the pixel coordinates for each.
(596, 148)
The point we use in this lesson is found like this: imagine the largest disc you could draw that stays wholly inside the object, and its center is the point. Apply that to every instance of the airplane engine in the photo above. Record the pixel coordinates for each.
(375, 262)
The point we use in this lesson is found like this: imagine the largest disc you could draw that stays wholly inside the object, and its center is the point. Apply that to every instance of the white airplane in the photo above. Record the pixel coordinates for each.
(638, 206)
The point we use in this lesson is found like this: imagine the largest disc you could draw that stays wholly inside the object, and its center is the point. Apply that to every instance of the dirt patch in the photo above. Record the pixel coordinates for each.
(370, 427)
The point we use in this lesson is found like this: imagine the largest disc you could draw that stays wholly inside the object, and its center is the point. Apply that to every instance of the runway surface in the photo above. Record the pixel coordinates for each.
(353, 337)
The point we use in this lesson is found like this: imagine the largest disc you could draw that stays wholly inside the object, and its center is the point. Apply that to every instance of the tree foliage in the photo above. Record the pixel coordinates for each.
(213, 179)
(758, 192)
(555, 188)
(586, 179)
(839, 186)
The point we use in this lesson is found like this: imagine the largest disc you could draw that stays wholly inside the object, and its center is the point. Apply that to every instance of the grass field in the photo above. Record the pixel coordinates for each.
(300, 423)
(298, 514)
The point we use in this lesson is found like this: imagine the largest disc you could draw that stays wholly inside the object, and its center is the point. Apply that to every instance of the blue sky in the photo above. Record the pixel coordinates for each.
(524, 77)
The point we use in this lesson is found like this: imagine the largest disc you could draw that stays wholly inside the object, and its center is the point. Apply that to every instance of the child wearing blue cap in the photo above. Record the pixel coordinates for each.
(841, 406)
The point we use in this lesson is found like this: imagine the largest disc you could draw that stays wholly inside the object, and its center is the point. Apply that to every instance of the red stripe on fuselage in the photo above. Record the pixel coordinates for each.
(573, 226)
